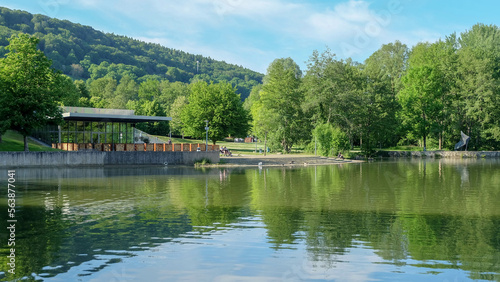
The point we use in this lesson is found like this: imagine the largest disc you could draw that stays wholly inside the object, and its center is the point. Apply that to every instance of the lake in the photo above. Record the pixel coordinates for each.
(405, 220)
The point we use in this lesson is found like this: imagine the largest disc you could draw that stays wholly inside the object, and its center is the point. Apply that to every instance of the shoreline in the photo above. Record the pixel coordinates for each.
(279, 161)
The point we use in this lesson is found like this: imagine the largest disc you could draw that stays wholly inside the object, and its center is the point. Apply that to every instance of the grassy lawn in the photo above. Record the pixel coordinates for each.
(13, 142)
(234, 147)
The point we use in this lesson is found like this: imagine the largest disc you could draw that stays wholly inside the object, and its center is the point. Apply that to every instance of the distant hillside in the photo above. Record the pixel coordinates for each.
(85, 53)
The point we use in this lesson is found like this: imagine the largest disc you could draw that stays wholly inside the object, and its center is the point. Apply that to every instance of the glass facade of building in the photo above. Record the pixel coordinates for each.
(97, 126)
(87, 132)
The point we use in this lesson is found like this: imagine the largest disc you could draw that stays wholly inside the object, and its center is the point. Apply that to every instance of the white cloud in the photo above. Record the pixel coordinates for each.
(251, 32)
(354, 11)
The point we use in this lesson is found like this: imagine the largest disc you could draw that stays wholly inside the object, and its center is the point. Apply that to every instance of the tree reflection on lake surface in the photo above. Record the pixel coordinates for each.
(403, 220)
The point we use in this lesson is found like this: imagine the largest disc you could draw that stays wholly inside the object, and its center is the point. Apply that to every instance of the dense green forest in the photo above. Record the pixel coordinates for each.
(82, 52)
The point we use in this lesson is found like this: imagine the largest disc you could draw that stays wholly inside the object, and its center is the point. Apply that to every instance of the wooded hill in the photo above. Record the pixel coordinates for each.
(85, 53)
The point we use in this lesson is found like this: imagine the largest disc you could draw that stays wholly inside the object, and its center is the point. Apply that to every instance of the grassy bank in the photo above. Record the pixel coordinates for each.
(12, 141)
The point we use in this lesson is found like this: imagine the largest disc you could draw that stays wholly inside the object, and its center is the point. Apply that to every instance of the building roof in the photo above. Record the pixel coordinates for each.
(107, 115)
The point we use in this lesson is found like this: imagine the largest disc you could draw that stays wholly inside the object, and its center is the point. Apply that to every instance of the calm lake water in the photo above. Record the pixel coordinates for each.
(408, 220)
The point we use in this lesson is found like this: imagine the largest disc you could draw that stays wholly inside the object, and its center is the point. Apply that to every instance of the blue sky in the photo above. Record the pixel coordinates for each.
(253, 33)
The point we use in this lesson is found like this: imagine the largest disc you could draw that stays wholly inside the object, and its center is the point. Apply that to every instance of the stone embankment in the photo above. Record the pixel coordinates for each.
(443, 154)
(96, 158)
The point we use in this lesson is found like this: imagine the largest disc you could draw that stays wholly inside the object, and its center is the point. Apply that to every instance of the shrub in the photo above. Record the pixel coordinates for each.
(330, 140)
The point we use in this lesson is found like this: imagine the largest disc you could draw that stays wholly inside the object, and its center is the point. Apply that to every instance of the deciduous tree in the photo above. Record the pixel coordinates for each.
(31, 89)
(175, 113)
(421, 100)
(280, 100)
(220, 105)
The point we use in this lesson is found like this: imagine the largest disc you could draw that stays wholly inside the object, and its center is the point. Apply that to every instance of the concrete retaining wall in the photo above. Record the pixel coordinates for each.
(444, 154)
(93, 158)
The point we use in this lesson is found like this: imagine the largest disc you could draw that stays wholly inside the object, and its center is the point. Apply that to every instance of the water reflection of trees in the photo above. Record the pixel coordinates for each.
(418, 210)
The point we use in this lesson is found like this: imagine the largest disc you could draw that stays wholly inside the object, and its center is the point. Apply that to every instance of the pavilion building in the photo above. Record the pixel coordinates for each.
(98, 129)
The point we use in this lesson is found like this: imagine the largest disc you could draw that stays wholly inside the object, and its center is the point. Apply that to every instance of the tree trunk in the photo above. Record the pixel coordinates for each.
(440, 140)
(361, 141)
(265, 143)
(424, 133)
(26, 148)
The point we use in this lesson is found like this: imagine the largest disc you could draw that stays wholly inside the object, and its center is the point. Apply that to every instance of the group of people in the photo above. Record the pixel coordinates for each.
(225, 151)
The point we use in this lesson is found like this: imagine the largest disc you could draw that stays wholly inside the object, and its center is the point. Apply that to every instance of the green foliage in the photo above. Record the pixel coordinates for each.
(277, 114)
(263, 118)
(149, 90)
(175, 113)
(170, 91)
(330, 89)
(384, 70)
(360, 100)
(330, 140)
(126, 90)
(31, 89)
(340, 141)
(323, 135)
(220, 105)
(478, 85)
(421, 100)
(152, 108)
(71, 92)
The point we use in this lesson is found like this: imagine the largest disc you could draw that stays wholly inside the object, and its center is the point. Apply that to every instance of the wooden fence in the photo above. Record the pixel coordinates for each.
(120, 147)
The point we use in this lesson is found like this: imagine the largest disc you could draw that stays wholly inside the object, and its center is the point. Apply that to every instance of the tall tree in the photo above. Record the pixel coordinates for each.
(169, 93)
(280, 99)
(478, 84)
(384, 70)
(388, 64)
(126, 90)
(152, 108)
(71, 95)
(175, 113)
(102, 91)
(149, 90)
(332, 90)
(421, 100)
(218, 104)
(441, 56)
(31, 90)
(263, 118)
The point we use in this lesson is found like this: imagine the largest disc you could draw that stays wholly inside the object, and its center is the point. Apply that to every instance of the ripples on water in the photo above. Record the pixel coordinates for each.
(387, 221)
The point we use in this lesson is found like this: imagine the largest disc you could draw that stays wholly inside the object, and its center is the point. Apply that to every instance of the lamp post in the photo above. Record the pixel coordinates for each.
(206, 139)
